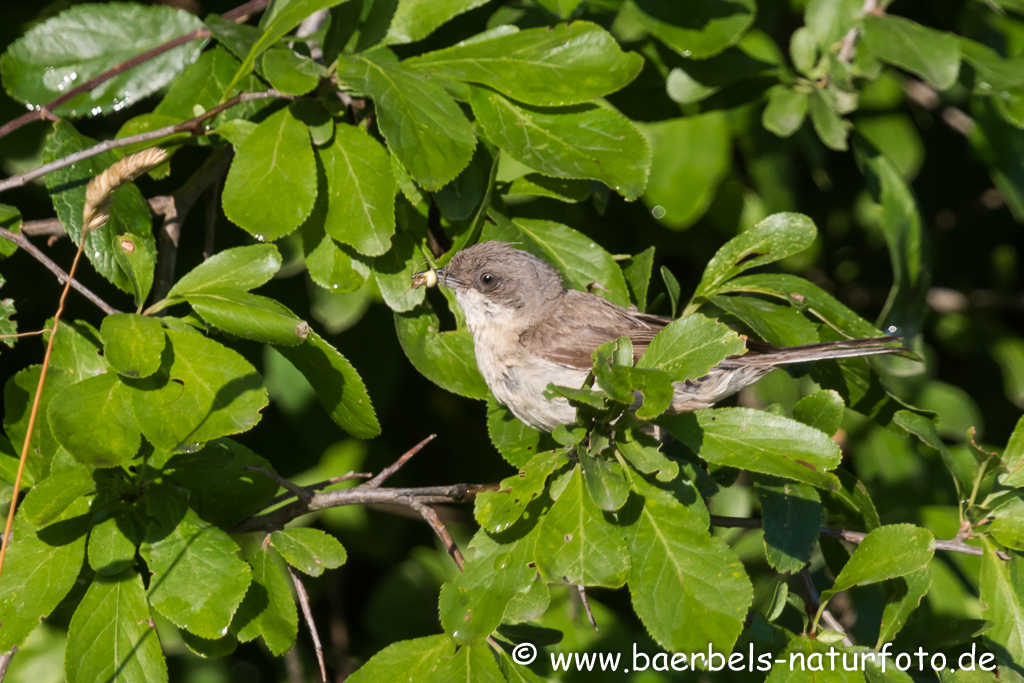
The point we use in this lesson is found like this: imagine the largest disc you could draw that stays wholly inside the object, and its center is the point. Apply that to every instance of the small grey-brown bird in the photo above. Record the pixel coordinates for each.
(530, 331)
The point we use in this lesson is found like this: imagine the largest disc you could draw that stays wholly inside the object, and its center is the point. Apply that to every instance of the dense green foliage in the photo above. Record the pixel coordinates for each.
(788, 171)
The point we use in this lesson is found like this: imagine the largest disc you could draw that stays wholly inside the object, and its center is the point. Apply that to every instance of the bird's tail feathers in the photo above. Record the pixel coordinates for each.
(847, 348)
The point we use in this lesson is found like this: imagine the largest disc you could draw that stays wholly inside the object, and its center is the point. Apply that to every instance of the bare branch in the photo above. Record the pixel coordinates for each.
(848, 47)
(586, 606)
(827, 616)
(394, 467)
(300, 590)
(431, 518)
(62, 277)
(48, 227)
(5, 661)
(301, 493)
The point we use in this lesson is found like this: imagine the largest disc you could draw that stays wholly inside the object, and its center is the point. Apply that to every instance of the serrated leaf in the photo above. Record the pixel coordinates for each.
(932, 55)
(606, 482)
(776, 324)
(45, 502)
(414, 20)
(132, 344)
(498, 510)
(786, 110)
(276, 160)
(337, 384)
(689, 158)
(422, 124)
(822, 410)
(134, 257)
(999, 587)
(311, 551)
(202, 391)
(19, 394)
(176, 557)
(576, 545)
(548, 66)
(250, 316)
(586, 141)
(887, 552)
(582, 261)
(112, 545)
(239, 268)
(776, 237)
(688, 347)
(517, 442)
(76, 350)
(289, 72)
(792, 517)
(961, 468)
(1013, 457)
(222, 490)
(434, 659)
(87, 40)
(902, 596)
(268, 609)
(445, 358)
(567, 190)
(697, 29)
(760, 442)
(644, 453)
(40, 569)
(681, 575)
(361, 186)
(129, 212)
(111, 636)
(93, 420)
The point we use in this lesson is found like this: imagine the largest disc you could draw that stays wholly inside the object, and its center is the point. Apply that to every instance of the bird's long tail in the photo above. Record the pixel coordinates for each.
(760, 355)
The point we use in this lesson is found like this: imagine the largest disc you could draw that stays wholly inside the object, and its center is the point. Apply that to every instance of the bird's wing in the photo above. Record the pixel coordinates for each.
(581, 322)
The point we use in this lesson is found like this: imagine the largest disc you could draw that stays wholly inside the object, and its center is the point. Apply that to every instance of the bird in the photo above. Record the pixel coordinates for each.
(529, 330)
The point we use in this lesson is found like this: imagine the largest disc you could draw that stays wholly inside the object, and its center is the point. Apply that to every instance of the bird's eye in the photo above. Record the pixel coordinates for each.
(487, 278)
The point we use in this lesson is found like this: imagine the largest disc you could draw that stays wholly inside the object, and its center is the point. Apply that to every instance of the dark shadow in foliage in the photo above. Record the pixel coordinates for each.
(691, 15)
(378, 21)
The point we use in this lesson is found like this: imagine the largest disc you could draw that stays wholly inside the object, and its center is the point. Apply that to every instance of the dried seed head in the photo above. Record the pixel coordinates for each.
(100, 191)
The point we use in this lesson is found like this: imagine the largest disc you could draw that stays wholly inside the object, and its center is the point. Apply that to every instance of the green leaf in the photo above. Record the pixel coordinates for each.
(760, 442)
(19, 394)
(830, 127)
(688, 347)
(804, 295)
(885, 553)
(111, 636)
(1001, 147)
(829, 20)
(547, 66)
(932, 55)
(812, 654)
(902, 596)
(276, 161)
(177, 557)
(136, 260)
(497, 510)
(682, 185)
(581, 260)
(414, 20)
(644, 453)
(681, 575)
(606, 482)
(205, 81)
(239, 268)
(337, 384)
(1013, 457)
(434, 659)
(776, 324)
(311, 551)
(999, 587)
(250, 316)
(776, 237)
(445, 358)
(202, 391)
(563, 8)
(576, 543)
(129, 212)
(132, 344)
(45, 502)
(422, 124)
(822, 410)
(671, 287)
(76, 350)
(585, 141)
(566, 190)
(10, 219)
(281, 19)
(792, 517)
(516, 441)
(394, 270)
(361, 185)
(85, 41)
(786, 110)
(961, 468)
(112, 545)
(40, 569)
(696, 29)
(289, 72)
(637, 271)
(460, 199)
(803, 50)
(222, 490)
(93, 420)
(268, 609)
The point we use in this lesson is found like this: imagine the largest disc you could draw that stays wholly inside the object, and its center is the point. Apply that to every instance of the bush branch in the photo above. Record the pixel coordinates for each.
(300, 590)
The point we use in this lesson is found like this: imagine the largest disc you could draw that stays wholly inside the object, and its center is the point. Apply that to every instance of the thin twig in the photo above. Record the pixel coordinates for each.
(586, 606)
(24, 334)
(396, 465)
(239, 14)
(300, 492)
(953, 546)
(62, 277)
(5, 661)
(193, 126)
(431, 518)
(848, 47)
(48, 227)
(300, 590)
(830, 620)
(322, 485)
